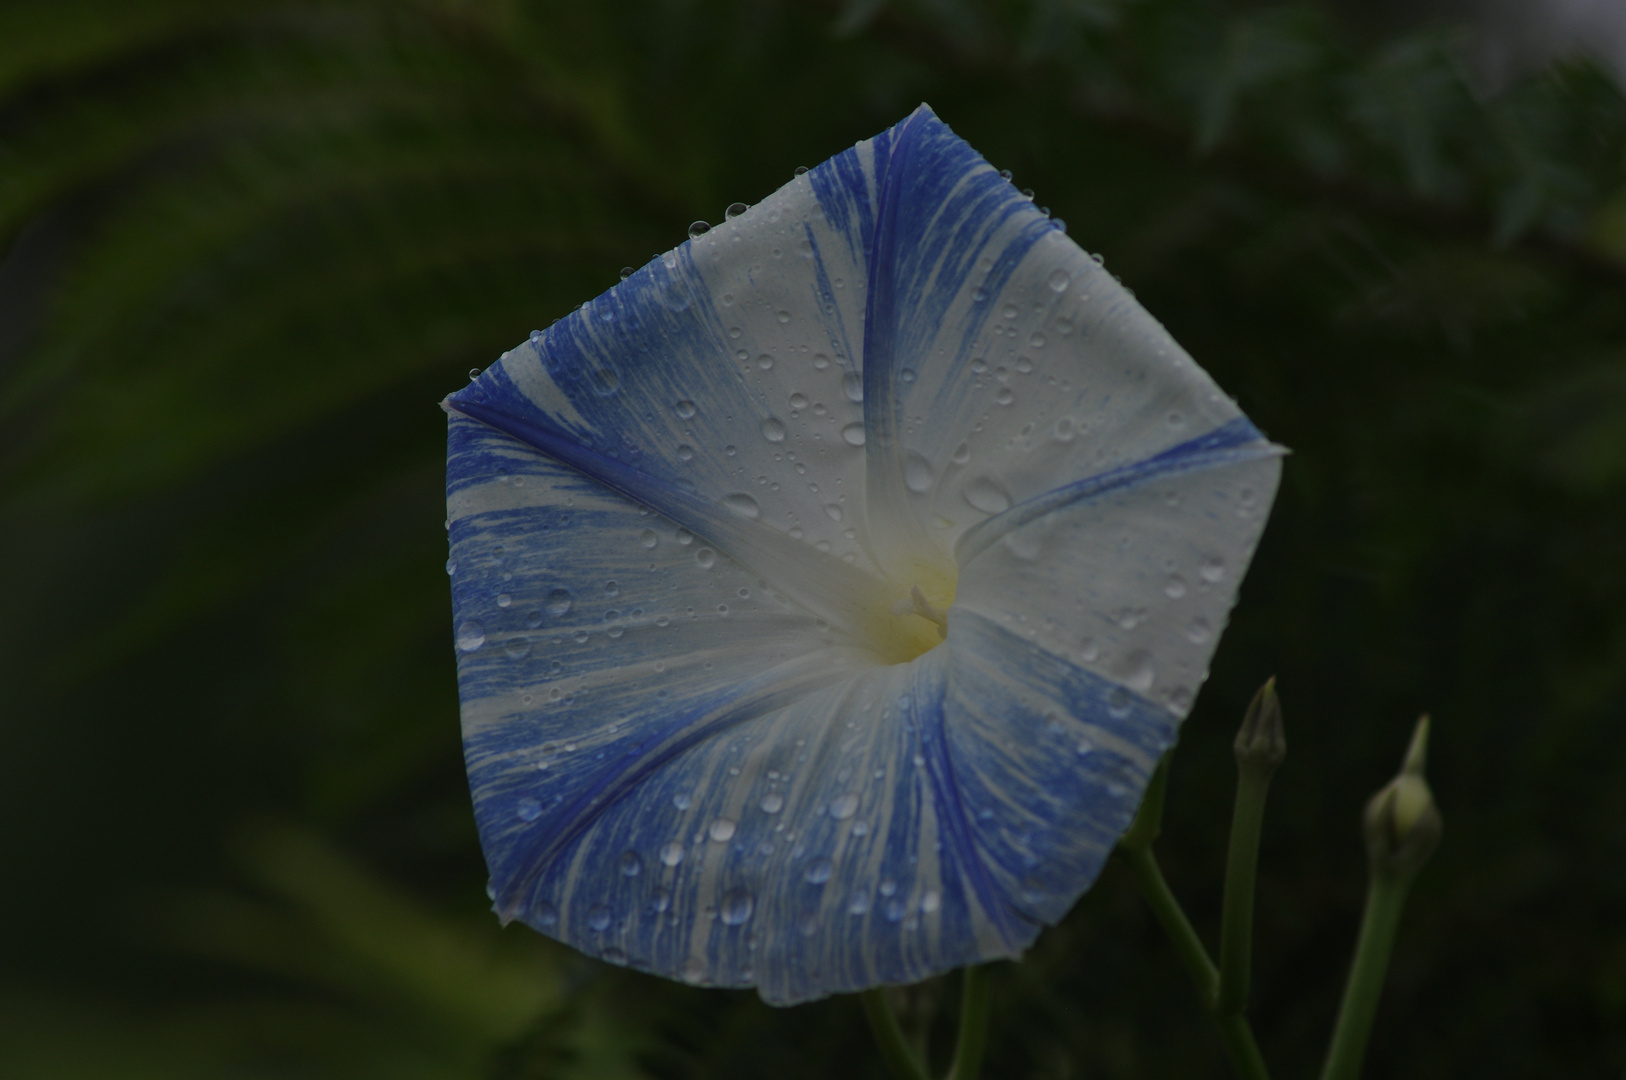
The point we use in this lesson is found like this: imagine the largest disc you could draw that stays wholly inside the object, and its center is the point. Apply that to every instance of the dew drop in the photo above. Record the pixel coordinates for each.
(765, 362)
(736, 907)
(1065, 430)
(1010, 311)
(985, 494)
(598, 918)
(631, 865)
(773, 430)
(721, 830)
(1175, 587)
(853, 387)
(859, 905)
(783, 317)
(685, 409)
(660, 900)
(821, 361)
(684, 536)
(451, 567)
(962, 454)
(606, 382)
(672, 853)
(917, 473)
(735, 210)
(648, 538)
(699, 229)
(558, 602)
(1118, 703)
(1025, 544)
(517, 649)
(693, 971)
(1199, 631)
(818, 871)
(1138, 671)
(528, 809)
(681, 800)
(772, 803)
(843, 807)
(685, 452)
(504, 599)
(470, 635)
(1213, 569)
(1004, 396)
(1059, 280)
(895, 909)
(798, 400)
(706, 558)
(546, 914)
(853, 434)
(742, 504)
(833, 511)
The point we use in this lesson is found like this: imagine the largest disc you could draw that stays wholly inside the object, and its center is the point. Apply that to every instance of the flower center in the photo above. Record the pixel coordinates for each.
(919, 616)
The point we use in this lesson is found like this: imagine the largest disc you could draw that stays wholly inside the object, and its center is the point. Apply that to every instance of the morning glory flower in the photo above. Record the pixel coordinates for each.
(827, 590)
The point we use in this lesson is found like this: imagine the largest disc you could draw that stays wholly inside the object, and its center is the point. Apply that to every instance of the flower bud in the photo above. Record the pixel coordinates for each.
(1260, 743)
(1402, 823)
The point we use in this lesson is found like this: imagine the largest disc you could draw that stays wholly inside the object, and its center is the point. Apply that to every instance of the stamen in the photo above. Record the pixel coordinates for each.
(917, 604)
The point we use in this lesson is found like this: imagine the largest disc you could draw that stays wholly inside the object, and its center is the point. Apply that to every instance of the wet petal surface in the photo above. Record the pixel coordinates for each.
(705, 531)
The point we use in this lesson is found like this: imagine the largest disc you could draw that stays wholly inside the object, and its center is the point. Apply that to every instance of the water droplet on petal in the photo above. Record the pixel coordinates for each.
(693, 971)
(706, 558)
(743, 505)
(648, 538)
(1066, 428)
(1175, 587)
(558, 602)
(735, 210)
(853, 387)
(504, 599)
(598, 917)
(517, 649)
(685, 409)
(765, 362)
(528, 809)
(819, 871)
(843, 807)
(1024, 543)
(1138, 671)
(546, 914)
(699, 229)
(736, 907)
(962, 454)
(773, 430)
(917, 473)
(470, 635)
(853, 434)
(1199, 631)
(772, 803)
(798, 400)
(721, 830)
(685, 452)
(1213, 569)
(681, 800)
(451, 566)
(631, 864)
(672, 853)
(1059, 280)
(985, 494)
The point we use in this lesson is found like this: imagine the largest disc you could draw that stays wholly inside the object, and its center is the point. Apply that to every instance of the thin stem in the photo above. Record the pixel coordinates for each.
(1168, 911)
(975, 1001)
(1385, 898)
(1241, 870)
(900, 1059)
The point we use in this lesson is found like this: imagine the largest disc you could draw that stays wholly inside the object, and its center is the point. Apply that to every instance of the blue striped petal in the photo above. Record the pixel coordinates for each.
(711, 728)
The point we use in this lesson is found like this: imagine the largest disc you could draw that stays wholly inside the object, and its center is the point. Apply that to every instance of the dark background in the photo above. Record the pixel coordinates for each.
(248, 245)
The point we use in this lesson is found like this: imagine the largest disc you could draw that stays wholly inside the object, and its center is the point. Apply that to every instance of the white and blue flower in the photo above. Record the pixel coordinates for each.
(827, 591)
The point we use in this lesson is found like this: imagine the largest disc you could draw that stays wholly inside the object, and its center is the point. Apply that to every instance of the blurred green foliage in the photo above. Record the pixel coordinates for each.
(249, 244)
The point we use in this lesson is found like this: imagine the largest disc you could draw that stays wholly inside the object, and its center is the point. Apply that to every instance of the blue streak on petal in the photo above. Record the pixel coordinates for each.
(1232, 442)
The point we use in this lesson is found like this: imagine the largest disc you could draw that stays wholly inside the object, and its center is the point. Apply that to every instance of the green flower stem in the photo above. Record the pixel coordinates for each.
(1137, 849)
(975, 1002)
(1169, 913)
(900, 1060)
(1385, 898)
(1241, 870)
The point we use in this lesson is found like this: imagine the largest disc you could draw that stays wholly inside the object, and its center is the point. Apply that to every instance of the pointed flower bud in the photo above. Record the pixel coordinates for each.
(1260, 743)
(1402, 823)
